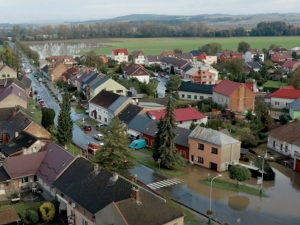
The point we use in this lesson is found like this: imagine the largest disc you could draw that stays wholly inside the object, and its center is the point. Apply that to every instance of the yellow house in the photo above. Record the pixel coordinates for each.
(106, 84)
(7, 72)
(213, 149)
(56, 73)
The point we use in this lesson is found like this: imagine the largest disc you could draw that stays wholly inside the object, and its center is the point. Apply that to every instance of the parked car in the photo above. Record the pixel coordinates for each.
(41, 101)
(35, 92)
(87, 127)
(100, 125)
(93, 147)
(98, 137)
(138, 144)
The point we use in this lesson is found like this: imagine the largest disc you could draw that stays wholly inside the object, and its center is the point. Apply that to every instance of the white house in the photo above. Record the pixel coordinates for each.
(286, 141)
(120, 55)
(153, 60)
(184, 117)
(7, 72)
(281, 98)
(138, 57)
(249, 55)
(169, 63)
(191, 91)
(136, 71)
(106, 105)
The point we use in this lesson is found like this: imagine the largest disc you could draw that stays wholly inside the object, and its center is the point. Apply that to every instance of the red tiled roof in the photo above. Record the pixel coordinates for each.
(226, 87)
(292, 87)
(286, 93)
(123, 50)
(250, 86)
(289, 64)
(185, 114)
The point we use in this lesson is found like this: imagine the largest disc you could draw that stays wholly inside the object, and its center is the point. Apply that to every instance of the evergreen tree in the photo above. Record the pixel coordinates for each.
(169, 153)
(157, 141)
(115, 156)
(65, 123)
(48, 116)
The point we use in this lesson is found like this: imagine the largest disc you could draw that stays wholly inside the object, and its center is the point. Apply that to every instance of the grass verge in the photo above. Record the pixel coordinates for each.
(148, 151)
(18, 207)
(36, 113)
(226, 185)
(149, 162)
(74, 150)
(90, 121)
(78, 111)
(78, 124)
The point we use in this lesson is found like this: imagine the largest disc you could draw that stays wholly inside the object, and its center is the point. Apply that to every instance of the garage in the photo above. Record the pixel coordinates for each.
(297, 167)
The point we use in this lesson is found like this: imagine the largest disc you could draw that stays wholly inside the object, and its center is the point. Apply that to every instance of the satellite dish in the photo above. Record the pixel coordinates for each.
(73, 205)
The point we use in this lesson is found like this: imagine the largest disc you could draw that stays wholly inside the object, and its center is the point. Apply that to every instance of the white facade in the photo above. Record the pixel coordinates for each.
(221, 99)
(121, 57)
(248, 56)
(281, 146)
(193, 95)
(139, 60)
(102, 115)
(281, 103)
(141, 78)
(211, 59)
(187, 124)
(147, 63)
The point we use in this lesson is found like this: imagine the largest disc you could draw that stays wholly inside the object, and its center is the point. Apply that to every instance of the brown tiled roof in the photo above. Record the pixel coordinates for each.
(137, 53)
(131, 68)
(148, 210)
(104, 98)
(256, 51)
(288, 132)
(9, 216)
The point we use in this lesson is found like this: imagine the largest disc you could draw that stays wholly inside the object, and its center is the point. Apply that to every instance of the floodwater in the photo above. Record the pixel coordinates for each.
(282, 205)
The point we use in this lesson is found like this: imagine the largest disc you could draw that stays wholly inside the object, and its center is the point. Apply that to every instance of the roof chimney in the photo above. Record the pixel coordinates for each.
(115, 177)
(135, 194)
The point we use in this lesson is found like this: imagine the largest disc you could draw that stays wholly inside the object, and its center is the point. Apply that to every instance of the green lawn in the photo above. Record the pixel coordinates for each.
(36, 113)
(79, 111)
(147, 151)
(74, 150)
(154, 46)
(78, 124)
(18, 207)
(274, 84)
(1, 48)
(226, 185)
(149, 162)
(90, 121)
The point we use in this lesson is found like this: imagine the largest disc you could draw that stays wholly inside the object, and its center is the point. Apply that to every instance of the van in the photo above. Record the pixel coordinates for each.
(93, 147)
(138, 144)
(100, 125)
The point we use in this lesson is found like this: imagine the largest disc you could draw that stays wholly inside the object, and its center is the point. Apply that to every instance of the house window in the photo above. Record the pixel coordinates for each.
(281, 147)
(276, 103)
(209, 97)
(287, 104)
(195, 96)
(200, 146)
(182, 95)
(286, 148)
(182, 153)
(71, 213)
(8, 75)
(35, 178)
(3, 75)
(180, 122)
(274, 144)
(189, 96)
(194, 120)
(24, 180)
(99, 117)
(200, 160)
(218, 98)
(201, 97)
(84, 222)
(105, 120)
(214, 150)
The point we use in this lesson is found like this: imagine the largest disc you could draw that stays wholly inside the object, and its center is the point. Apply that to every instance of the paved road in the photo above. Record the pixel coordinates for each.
(161, 88)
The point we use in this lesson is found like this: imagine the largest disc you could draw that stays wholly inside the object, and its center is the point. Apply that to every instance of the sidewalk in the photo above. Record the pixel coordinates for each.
(53, 89)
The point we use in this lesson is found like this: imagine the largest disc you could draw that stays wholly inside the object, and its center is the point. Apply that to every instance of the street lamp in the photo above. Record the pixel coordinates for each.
(209, 221)
(262, 173)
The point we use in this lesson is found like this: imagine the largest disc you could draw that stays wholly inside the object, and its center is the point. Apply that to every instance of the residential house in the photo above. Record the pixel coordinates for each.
(226, 55)
(184, 117)
(101, 197)
(136, 71)
(120, 55)
(286, 141)
(55, 161)
(104, 59)
(45, 71)
(185, 56)
(290, 66)
(86, 87)
(67, 60)
(234, 96)
(4, 181)
(213, 149)
(7, 72)
(203, 66)
(80, 72)
(27, 84)
(279, 49)
(249, 55)
(198, 76)
(168, 53)
(280, 57)
(42, 63)
(13, 95)
(68, 74)
(138, 57)
(106, 105)
(153, 60)
(21, 170)
(195, 92)
(282, 98)
(56, 73)
(86, 75)
(23, 144)
(255, 66)
(296, 49)
(168, 64)
(137, 125)
(294, 109)
(202, 56)
(181, 139)
(129, 112)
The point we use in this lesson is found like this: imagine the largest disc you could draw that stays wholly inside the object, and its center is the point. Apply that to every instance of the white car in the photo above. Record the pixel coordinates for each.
(98, 137)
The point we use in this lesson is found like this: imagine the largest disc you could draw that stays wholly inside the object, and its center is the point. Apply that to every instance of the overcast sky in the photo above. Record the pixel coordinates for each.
(22, 11)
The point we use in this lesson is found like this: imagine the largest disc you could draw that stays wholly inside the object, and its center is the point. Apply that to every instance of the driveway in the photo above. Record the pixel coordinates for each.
(161, 87)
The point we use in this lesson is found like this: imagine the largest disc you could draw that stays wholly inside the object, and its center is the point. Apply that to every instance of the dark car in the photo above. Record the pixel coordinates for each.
(87, 127)
(35, 92)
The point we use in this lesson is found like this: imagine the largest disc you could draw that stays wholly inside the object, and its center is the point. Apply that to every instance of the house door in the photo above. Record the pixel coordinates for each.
(297, 165)
(192, 158)
(95, 114)
(214, 166)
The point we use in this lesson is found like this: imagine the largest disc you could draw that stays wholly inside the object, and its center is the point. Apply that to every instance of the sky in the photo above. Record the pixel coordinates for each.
(24, 11)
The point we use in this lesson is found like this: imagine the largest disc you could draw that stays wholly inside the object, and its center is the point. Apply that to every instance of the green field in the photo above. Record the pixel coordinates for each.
(275, 84)
(154, 46)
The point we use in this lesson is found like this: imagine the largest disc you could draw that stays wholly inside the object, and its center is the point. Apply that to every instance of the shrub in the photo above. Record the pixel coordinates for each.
(29, 217)
(71, 89)
(234, 121)
(47, 211)
(246, 159)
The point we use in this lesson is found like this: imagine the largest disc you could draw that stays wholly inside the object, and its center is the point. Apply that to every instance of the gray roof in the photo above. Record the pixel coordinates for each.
(182, 134)
(174, 61)
(187, 56)
(15, 90)
(139, 122)
(196, 52)
(196, 88)
(26, 81)
(116, 104)
(253, 65)
(212, 136)
(92, 78)
(154, 58)
(295, 105)
(191, 71)
(99, 82)
(129, 113)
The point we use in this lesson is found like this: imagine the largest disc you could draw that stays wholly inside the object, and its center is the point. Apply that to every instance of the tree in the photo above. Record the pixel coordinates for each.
(48, 116)
(91, 59)
(211, 48)
(29, 217)
(65, 123)
(294, 55)
(169, 153)
(249, 115)
(115, 156)
(295, 79)
(239, 173)
(47, 211)
(178, 50)
(243, 47)
(256, 58)
(247, 138)
(235, 66)
(206, 105)
(264, 72)
(273, 46)
(284, 119)
(112, 63)
(11, 58)
(173, 83)
(193, 126)
(158, 141)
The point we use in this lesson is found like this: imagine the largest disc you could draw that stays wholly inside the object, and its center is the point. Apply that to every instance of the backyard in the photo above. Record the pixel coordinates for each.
(275, 84)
